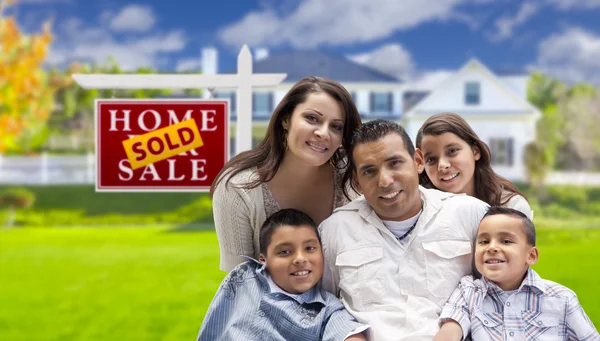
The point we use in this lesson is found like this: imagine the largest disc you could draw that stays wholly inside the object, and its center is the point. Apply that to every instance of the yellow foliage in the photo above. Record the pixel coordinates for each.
(26, 90)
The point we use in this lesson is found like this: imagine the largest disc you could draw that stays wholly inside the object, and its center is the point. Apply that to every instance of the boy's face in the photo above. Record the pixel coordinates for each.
(294, 259)
(502, 253)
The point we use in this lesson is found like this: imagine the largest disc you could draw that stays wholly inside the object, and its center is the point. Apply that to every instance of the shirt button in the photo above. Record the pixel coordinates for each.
(261, 313)
(511, 334)
(485, 321)
(508, 304)
(539, 322)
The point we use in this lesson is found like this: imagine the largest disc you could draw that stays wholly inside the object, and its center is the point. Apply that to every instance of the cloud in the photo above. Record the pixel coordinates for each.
(565, 5)
(133, 18)
(428, 80)
(81, 41)
(392, 59)
(505, 25)
(572, 55)
(188, 64)
(337, 22)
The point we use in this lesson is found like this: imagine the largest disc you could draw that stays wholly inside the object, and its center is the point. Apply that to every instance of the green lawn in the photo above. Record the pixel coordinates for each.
(156, 283)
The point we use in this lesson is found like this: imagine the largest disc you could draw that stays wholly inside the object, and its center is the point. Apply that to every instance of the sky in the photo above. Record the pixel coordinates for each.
(419, 41)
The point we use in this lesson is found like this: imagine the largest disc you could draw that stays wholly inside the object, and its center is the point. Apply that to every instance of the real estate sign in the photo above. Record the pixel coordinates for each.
(160, 144)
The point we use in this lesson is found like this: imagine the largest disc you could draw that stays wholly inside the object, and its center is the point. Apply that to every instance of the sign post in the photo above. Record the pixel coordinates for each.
(244, 81)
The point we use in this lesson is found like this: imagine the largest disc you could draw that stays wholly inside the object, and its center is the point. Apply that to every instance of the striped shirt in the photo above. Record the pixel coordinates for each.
(249, 306)
(539, 310)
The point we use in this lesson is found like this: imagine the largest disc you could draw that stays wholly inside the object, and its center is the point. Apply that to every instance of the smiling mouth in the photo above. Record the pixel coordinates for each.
(494, 261)
(391, 195)
(317, 148)
(301, 273)
(450, 177)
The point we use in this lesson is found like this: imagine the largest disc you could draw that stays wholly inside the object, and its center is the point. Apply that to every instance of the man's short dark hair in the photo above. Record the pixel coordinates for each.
(285, 217)
(527, 224)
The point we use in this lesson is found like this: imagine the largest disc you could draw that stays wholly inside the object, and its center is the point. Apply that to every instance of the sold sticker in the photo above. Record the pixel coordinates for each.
(163, 143)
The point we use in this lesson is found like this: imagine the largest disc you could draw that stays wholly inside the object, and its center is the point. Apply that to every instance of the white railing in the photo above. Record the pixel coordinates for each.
(47, 169)
(81, 169)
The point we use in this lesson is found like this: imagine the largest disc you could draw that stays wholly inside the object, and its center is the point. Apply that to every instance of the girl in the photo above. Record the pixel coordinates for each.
(457, 161)
(299, 164)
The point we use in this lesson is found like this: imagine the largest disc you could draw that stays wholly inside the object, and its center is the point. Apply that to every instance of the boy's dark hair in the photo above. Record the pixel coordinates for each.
(371, 132)
(527, 224)
(288, 217)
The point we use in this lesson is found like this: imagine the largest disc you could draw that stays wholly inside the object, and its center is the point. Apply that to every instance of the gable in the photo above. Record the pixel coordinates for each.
(495, 95)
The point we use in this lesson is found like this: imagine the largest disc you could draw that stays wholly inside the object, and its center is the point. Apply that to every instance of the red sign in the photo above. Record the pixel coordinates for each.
(120, 119)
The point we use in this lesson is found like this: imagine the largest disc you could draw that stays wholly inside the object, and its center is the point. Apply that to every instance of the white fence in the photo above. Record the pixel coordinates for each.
(81, 169)
(48, 169)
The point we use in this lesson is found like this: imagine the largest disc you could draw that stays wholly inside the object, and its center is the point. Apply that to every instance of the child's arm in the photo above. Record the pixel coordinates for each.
(450, 331)
(356, 337)
(579, 326)
(455, 318)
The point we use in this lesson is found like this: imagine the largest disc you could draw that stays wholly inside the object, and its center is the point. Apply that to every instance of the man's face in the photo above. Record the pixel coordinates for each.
(389, 177)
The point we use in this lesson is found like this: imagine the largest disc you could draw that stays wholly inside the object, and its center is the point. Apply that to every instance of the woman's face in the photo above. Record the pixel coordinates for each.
(315, 129)
(450, 162)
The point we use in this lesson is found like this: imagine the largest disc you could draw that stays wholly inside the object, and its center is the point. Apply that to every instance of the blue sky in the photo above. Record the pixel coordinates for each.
(417, 40)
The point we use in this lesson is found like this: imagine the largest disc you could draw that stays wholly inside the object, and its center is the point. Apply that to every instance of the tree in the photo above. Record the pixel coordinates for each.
(26, 91)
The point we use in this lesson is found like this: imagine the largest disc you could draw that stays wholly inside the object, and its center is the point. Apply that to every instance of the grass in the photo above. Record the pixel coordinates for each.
(156, 283)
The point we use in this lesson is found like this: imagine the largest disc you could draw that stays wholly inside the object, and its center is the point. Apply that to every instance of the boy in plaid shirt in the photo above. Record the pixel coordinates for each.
(511, 301)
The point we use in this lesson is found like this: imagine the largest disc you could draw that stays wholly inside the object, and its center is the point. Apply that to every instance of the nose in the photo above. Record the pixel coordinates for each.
(492, 247)
(322, 132)
(443, 163)
(299, 258)
(385, 179)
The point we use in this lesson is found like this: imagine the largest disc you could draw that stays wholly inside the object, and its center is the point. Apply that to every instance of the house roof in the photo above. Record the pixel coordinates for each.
(443, 86)
(300, 64)
(412, 98)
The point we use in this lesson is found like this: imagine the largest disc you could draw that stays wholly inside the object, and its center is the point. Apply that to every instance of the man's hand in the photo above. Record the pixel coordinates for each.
(450, 331)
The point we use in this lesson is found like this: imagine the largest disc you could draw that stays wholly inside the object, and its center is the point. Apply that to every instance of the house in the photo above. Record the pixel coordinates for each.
(494, 105)
(376, 94)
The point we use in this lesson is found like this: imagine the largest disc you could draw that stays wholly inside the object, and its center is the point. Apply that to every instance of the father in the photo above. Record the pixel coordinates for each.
(395, 254)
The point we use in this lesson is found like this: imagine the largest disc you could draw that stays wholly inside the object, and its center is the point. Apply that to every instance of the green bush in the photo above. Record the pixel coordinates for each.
(16, 198)
(573, 197)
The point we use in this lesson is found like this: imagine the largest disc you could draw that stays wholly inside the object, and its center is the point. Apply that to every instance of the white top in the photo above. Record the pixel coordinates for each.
(400, 290)
(239, 213)
(520, 204)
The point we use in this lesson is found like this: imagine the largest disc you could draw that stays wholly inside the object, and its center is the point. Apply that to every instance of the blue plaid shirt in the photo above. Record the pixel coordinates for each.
(539, 310)
(245, 308)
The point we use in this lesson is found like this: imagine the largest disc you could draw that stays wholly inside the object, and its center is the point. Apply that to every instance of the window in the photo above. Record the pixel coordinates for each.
(502, 151)
(381, 102)
(472, 93)
(262, 104)
(231, 96)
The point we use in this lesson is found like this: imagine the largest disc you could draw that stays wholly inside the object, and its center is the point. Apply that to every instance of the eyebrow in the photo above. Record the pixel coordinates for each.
(390, 158)
(501, 234)
(318, 112)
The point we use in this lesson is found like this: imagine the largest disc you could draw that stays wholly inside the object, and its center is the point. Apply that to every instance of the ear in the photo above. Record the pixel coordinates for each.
(355, 182)
(533, 255)
(419, 160)
(476, 152)
(262, 258)
(285, 123)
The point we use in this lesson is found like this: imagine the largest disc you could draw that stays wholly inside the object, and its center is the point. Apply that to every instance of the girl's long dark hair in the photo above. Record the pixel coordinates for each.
(268, 154)
(488, 185)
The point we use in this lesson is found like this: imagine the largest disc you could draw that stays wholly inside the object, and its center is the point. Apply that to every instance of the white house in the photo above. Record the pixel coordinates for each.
(495, 106)
(376, 94)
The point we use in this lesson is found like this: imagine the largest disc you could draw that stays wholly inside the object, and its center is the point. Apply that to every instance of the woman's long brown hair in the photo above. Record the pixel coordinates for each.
(268, 154)
(488, 185)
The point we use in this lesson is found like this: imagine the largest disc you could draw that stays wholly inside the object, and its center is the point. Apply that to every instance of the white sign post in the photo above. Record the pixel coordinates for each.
(244, 81)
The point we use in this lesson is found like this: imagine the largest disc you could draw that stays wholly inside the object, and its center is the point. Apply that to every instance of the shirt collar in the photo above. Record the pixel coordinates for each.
(532, 281)
(313, 295)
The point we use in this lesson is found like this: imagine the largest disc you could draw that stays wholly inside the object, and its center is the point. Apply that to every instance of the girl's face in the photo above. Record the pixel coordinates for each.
(315, 129)
(450, 162)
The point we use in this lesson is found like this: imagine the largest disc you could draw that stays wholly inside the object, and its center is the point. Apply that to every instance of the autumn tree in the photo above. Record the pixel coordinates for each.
(26, 90)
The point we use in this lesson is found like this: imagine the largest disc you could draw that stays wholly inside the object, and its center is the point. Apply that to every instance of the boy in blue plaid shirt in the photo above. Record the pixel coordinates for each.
(511, 301)
(277, 297)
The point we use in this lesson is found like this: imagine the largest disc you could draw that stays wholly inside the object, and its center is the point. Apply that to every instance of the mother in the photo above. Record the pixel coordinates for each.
(299, 164)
